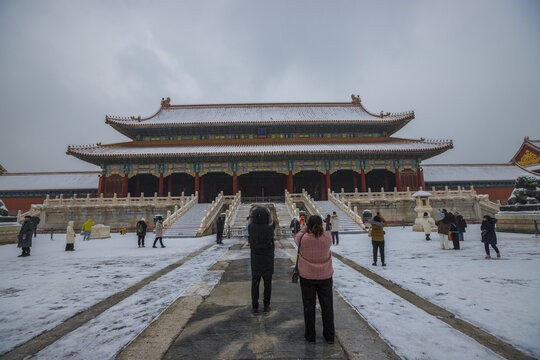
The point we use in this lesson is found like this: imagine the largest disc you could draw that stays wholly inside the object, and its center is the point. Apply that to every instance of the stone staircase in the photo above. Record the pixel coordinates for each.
(239, 222)
(187, 225)
(283, 215)
(346, 224)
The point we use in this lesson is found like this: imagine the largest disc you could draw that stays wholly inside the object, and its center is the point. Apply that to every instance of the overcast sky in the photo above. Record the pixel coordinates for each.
(469, 69)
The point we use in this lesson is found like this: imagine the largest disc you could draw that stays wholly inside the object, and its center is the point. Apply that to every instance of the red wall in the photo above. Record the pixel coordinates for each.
(501, 193)
(23, 204)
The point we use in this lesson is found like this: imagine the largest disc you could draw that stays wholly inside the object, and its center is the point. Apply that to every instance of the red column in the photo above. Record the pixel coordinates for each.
(101, 184)
(137, 185)
(160, 190)
(363, 179)
(234, 183)
(169, 185)
(398, 180)
(327, 180)
(420, 175)
(290, 187)
(197, 182)
(201, 193)
(354, 181)
(125, 186)
(323, 188)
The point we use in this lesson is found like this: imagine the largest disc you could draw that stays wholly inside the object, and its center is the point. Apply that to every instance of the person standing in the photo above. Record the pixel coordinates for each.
(220, 225)
(158, 231)
(70, 237)
(489, 237)
(443, 228)
(141, 231)
(334, 228)
(461, 225)
(427, 224)
(453, 232)
(316, 271)
(25, 236)
(295, 226)
(376, 233)
(328, 222)
(261, 238)
(246, 229)
(87, 229)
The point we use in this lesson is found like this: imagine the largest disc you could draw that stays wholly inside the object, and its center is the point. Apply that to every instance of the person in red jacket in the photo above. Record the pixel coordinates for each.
(315, 270)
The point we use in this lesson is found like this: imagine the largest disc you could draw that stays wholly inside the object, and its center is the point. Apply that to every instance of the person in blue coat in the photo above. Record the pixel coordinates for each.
(489, 237)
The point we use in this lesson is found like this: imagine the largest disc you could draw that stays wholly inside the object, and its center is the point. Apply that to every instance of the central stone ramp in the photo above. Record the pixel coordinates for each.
(224, 328)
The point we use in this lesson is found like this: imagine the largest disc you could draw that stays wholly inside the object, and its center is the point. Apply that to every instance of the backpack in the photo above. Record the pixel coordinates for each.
(262, 240)
(140, 227)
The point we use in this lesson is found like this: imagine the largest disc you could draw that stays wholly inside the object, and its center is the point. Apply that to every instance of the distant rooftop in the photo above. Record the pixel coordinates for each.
(81, 180)
(473, 172)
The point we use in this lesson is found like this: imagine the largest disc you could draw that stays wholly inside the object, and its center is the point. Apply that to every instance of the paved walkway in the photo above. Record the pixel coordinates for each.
(222, 326)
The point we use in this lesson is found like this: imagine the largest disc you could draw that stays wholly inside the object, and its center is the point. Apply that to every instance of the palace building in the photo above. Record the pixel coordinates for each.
(260, 149)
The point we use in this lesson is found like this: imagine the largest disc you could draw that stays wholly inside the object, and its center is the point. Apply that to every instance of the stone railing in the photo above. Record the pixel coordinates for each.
(181, 209)
(310, 204)
(291, 206)
(394, 195)
(115, 200)
(349, 210)
(211, 213)
(233, 208)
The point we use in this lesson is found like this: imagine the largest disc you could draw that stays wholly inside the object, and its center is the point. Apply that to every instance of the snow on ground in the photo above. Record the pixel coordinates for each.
(104, 336)
(412, 333)
(500, 296)
(41, 291)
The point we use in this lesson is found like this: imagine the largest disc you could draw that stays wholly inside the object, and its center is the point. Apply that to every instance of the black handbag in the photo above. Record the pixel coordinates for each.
(295, 274)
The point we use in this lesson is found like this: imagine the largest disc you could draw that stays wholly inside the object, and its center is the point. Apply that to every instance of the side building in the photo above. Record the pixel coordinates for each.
(260, 149)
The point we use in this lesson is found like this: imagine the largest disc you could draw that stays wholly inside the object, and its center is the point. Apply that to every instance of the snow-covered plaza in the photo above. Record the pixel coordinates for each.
(499, 296)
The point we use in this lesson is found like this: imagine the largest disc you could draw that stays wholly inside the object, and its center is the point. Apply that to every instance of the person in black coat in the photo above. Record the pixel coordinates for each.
(141, 231)
(453, 232)
(220, 225)
(25, 236)
(461, 225)
(261, 239)
(489, 237)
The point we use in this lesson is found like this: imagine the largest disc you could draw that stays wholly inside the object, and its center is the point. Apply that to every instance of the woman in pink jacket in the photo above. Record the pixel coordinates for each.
(315, 270)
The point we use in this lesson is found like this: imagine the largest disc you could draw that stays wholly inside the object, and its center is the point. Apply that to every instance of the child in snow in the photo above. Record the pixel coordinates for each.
(376, 233)
(87, 229)
(489, 237)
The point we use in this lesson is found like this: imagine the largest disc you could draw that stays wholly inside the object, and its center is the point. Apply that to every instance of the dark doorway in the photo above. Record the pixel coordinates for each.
(181, 183)
(377, 179)
(262, 184)
(309, 180)
(147, 184)
(342, 179)
(409, 179)
(214, 183)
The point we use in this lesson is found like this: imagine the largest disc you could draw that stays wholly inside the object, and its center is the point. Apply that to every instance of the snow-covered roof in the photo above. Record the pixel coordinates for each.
(49, 181)
(264, 113)
(472, 172)
(140, 149)
(421, 193)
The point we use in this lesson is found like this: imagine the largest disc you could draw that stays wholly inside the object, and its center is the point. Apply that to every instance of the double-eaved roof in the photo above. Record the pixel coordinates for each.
(367, 134)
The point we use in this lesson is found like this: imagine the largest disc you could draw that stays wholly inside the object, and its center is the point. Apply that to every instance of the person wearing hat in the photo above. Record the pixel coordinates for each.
(141, 232)
(158, 230)
(70, 236)
(25, 236)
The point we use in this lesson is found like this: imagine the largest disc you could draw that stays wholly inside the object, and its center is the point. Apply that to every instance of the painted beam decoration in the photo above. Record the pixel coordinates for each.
(282, 167)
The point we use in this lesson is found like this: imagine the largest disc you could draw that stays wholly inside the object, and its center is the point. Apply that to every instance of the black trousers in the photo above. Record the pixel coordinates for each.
(255, 281)
(140, 241)
(219, 237)
(160, 241)
(455, 240)
(70, 247)
(378, 245)
(323, 290)
(26, 250)
(486, 246)
(335, 237)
